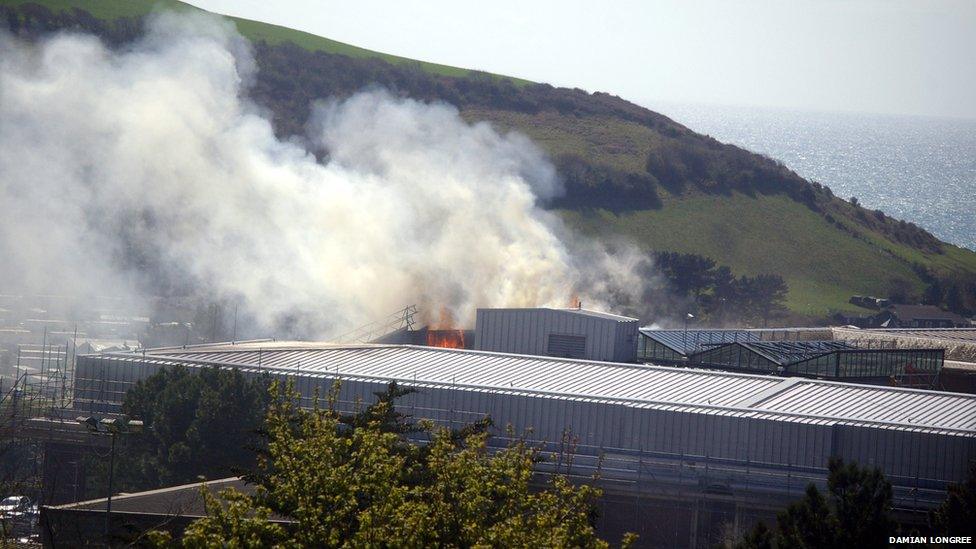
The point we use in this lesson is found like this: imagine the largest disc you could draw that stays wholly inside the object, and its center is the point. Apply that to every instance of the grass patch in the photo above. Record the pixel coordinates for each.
(603, 140)
(823, 265)
(254, 30)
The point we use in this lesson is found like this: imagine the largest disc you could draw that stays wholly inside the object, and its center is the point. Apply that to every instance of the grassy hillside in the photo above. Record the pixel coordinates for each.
(254, 30)
(767, 234)
(628, 170)
(823, 262)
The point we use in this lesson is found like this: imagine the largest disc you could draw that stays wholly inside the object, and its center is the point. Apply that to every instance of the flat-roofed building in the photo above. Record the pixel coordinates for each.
(565, 333)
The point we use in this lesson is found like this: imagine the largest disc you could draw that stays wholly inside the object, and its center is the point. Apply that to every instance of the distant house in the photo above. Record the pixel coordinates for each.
(870, 302)
(908, 316)
(923, 316)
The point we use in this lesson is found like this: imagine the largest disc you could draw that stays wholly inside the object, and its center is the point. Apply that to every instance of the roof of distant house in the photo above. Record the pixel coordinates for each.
(926, 312)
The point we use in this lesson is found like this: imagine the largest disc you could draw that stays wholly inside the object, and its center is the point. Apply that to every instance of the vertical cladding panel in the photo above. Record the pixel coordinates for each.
(781, 449)
(724, 434)
(939, 458)
(594, 337)
(753, 441)
(724, 431)
(604, 347)
(607, 433)
(649, 430)
(493, 332)
(765, 437)
(479, 328)
(553, 422)
(965, 454)
(621, 422)
(685, 436)
(672, 438)
(743, 450)
(624, 427)
(597, 417)
(534, 407)
(929, 459)
(889, 452)
(530, 417)
(823, 447)
(586, 424)
(734, 439)
(702, 435)
(505, 329)
(908, 456)
(547, 421)
(802, 439)
(533, 345)
(497, 334)
(672, 432)
(576, 424)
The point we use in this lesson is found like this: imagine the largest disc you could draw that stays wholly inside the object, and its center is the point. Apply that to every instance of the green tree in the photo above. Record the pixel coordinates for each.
(201, 423)
(357, 481)
(957, 515)
(855, 512)
(761, 297)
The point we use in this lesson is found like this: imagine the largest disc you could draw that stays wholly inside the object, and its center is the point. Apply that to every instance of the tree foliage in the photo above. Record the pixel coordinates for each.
(715, 294)
(358, 481)
(957, 515)
(855, 512)
(201, 423)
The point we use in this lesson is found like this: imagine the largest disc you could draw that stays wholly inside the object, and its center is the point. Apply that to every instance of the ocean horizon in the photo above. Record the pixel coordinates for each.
(920, 169)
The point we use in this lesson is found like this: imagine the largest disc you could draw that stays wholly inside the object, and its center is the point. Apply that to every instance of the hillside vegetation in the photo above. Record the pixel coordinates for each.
(627, 170)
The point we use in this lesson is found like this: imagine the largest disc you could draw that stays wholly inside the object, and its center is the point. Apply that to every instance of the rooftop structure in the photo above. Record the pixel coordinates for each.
(959, 343)
(169, 509)
(675, 345)
(756, 425)
(828, 360)
(568, 333)
(654, 387)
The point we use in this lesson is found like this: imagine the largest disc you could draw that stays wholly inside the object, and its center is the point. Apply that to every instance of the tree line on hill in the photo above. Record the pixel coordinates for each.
(357, 479)
(292, 78)
(713, 293)
(954, 292)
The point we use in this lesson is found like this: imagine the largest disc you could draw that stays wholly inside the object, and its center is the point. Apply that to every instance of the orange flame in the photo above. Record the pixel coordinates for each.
(445, 320)
(448, 339)
(575, 303)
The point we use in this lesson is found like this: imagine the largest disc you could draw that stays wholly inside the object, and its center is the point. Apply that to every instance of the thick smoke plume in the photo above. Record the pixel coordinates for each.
(124, 171)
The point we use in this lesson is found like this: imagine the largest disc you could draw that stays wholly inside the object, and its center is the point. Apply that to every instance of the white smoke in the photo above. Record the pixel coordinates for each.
(155, 152)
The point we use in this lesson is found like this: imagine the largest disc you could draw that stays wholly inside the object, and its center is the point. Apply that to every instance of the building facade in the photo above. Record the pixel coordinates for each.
(564, 333)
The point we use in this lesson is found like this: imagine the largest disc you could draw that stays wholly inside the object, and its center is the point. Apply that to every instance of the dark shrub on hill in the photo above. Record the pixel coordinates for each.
(595, 186)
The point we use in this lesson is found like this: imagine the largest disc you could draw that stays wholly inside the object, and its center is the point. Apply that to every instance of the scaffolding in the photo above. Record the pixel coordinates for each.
(400, 320)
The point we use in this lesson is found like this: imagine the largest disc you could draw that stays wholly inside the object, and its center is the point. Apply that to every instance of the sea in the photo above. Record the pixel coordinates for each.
(915, 168)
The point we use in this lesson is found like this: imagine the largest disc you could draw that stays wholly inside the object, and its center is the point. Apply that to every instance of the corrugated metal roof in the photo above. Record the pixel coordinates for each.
(690, 341)
(789, 399)
(584, 312)
(495, 370)
(967, 335)
(917, 408)
(786, 353)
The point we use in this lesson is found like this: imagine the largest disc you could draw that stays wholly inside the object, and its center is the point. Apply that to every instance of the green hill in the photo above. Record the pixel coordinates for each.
(254, 30)
(627, 170)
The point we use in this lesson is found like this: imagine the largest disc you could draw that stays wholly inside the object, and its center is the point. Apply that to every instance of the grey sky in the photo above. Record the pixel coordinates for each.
(885, 56)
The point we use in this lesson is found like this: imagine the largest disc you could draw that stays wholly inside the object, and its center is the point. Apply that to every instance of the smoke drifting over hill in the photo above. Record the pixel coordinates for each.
(147, 169)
